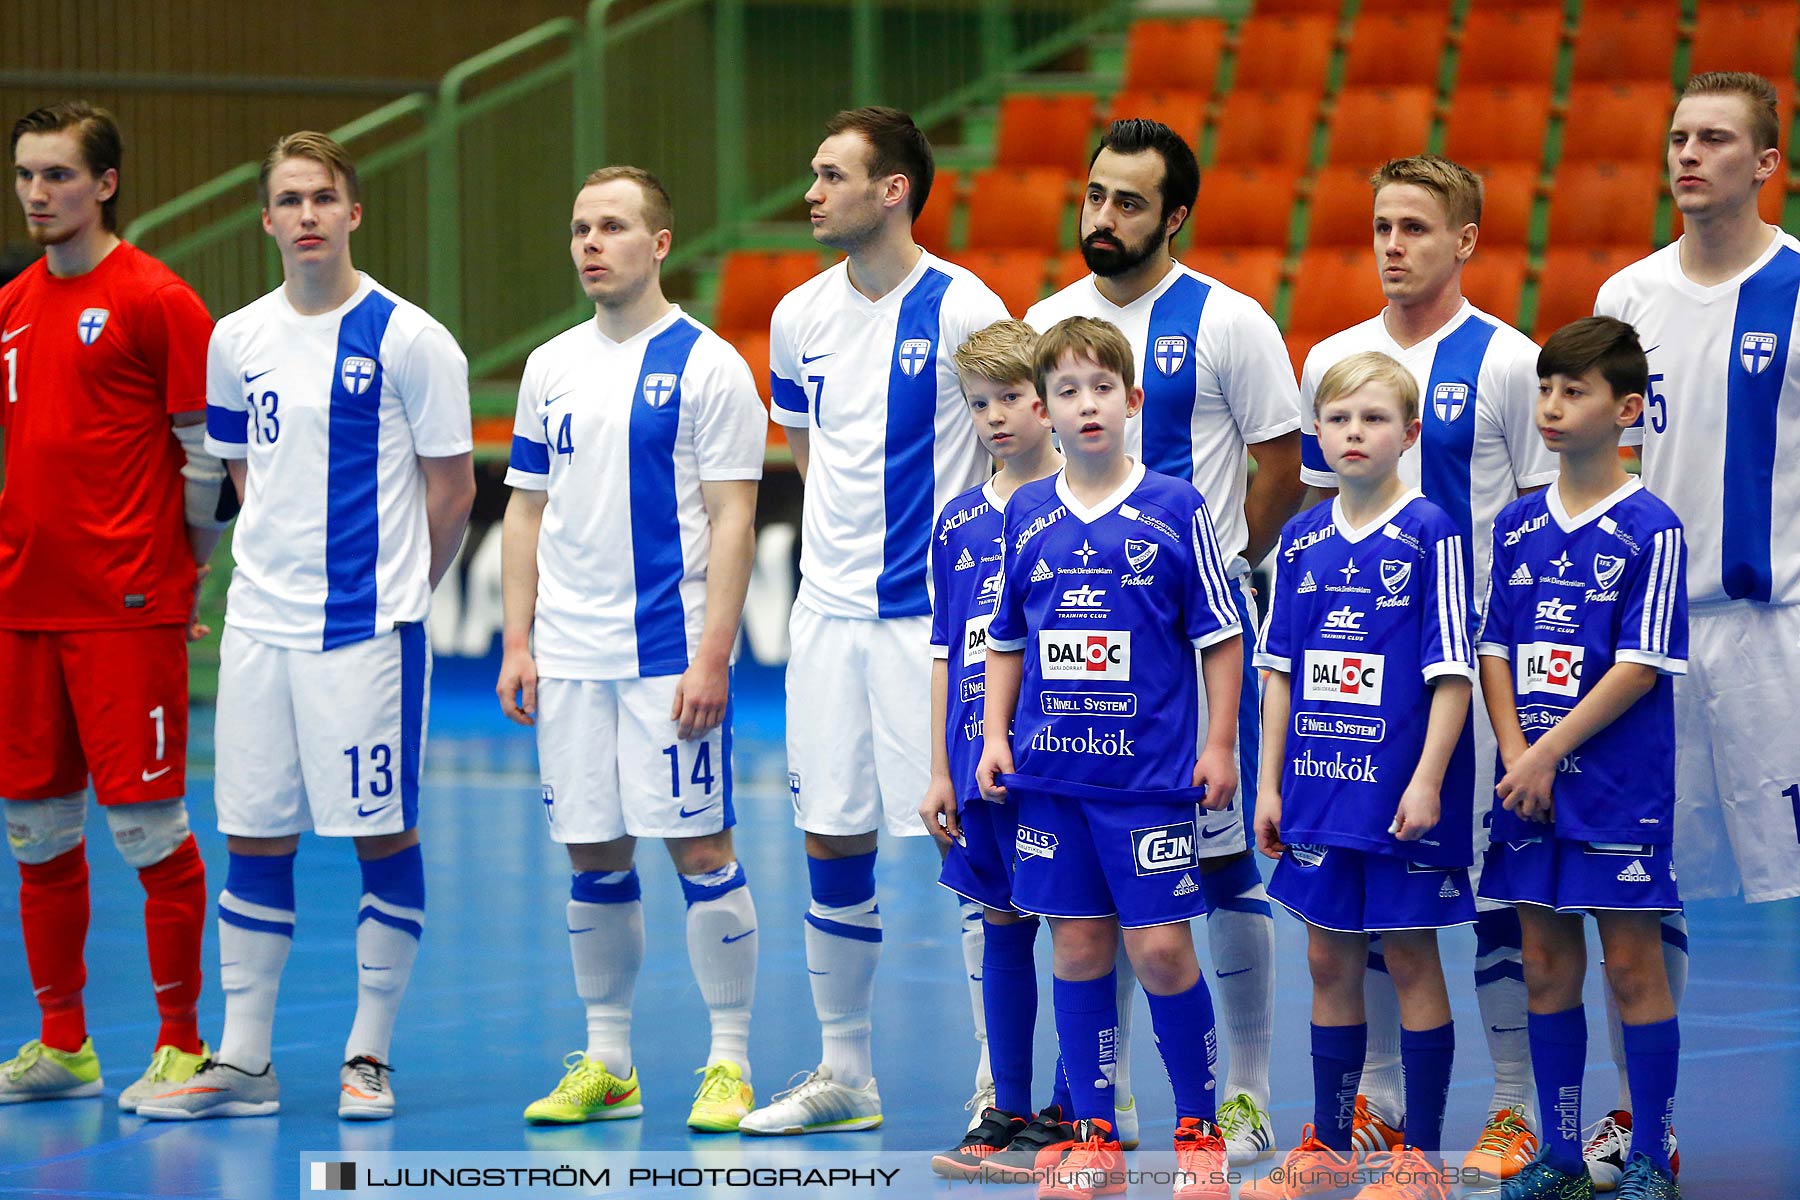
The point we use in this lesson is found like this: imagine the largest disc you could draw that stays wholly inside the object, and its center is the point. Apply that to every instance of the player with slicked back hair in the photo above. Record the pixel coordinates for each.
(104, 353)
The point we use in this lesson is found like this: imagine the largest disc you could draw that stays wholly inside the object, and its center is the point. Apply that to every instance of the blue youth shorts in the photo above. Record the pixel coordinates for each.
(979, 866)
(1571, 876)
(1359, 891)
(1085, 851)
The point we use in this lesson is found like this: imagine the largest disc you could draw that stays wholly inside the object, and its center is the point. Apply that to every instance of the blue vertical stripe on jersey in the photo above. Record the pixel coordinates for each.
(1249, 716)
(531, 457)
(1169, 393)
(1445, 447)
(909, 470)
(352, 479)
(1752, 410)
(412, 717)
(656, 549)
(725, 761)
(227, 425)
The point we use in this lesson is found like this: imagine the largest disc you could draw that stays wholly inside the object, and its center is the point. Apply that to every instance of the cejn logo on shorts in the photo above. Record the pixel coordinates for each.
(1345, 678)
(1549, 667)
(1084, 654)
(1164, 848)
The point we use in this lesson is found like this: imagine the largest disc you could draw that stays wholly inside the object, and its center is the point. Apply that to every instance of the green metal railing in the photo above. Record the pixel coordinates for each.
(466, 192)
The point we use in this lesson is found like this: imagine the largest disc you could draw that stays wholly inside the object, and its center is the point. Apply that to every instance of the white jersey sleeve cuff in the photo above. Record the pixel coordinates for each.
(529, 480)
(219, 449)
(793, 420)
(1006, 647)
(1541, 479)
(1449, 669)
(938, 651)
(1663, 664)
(1274, 662)
(1313, 478)
(1235, 629)
(1493, 650)
(730, 474)
(1270, 432)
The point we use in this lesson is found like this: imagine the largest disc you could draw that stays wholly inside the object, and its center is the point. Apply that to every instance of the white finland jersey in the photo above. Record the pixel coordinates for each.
(1216, 380)
(331, 413)
(1721, 426)
(889, 436)
(1478, 443)
(622, 435)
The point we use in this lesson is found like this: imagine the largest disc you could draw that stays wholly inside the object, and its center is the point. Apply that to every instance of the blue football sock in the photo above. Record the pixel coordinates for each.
(1183, 1025)
(1651, 1055)
(1010, 1000)
(1558, 1058)
(1059, 1090)
(1426, 1056)
(1087, 1021)
(1337, 1056)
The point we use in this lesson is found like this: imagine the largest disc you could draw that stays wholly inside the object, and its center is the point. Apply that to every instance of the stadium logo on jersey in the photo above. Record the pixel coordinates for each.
(1394, 574)
(1756, 351)
(1042, 572)
(1607, 570)
(1169, 354)
(1309, 584)
(914, 353)
(1084, 654)
(1139, 554)
(1034, 843)
(89, 325)
(1549, 667)
(659, 387)
(975, 640)
(357, 374)
(1449, 400)
(1162, 848)
(966, 561)
(1345, 678)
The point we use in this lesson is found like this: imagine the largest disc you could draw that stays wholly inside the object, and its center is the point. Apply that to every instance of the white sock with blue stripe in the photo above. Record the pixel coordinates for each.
(843, 944)
(389, 923)
(721, 938)
(256, 931)
(1381, 1078)
(1240, 931)
(974, 947)
(606, 942)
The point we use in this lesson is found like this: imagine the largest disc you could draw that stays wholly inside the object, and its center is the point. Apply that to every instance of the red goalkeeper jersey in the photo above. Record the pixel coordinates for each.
(92, 533)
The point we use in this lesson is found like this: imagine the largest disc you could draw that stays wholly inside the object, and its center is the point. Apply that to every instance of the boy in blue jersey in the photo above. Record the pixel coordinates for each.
(976, 835)
(1586, 627)
(1112, 577)
(1371, 612)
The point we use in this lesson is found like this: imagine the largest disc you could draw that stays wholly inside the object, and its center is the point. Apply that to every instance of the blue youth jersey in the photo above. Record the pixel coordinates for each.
(1109, 605)
(1363, 621)
(1569, 597)
(965, 578)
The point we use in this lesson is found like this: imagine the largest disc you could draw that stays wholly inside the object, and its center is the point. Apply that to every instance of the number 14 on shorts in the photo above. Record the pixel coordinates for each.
(700, 776)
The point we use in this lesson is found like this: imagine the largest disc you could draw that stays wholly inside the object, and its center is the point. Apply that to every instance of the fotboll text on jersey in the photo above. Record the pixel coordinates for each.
(1084, 654)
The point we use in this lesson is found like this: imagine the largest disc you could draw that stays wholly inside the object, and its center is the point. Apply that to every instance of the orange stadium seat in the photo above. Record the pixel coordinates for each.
(1333, 290)
(753, 344)
(1054, 130)
(1510, 45)
(1370, 125)
(1396, 48)
(1017, 276)
(1018, 208)
(1605, 204)
(1730, 36)
(1252, 270)
(1066, 268)
(1244, 206)
(1328, 7)
(932, 227)
(1570, 280)
(1609, 121)
(1273, 126)
(1625, 42)
(1184, 112)
(1493, 279)
(1299, 345)
(1178, 55)
(753, 281)
(1498, 123)
(1508, 191)
(1284, 50)
(1342, 204)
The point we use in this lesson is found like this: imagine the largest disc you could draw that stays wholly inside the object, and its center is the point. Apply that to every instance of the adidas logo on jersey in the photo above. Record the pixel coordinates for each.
(1309, 584)
(1187, 886)
(1449, 891)
(1042, 572)
(966, 561)
(1521, 577)
(1634, 873)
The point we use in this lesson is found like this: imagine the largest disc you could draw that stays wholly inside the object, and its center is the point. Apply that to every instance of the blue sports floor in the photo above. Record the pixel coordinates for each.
(492, 1008)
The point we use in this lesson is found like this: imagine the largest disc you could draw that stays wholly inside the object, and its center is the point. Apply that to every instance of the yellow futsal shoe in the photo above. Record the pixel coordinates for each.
(40, 1072)
(170, 1065)
(588, 1092)
(723, 1099)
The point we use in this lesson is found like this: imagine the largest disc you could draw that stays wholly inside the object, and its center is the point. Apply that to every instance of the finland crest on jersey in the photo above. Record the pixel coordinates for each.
(1478, 442)
(965, 568)
(622, 435)
(889, 439)
(1721, 425)
(91, 324)
(331, 413)
(1216, 380)
(1572, 596)
(1386, 615)
(1108, 606)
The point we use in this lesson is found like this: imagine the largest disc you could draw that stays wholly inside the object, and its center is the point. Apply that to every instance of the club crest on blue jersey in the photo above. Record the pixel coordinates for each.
(1139, 554)
(90, 323)
(357, 373)
(658, 387)
(1607, 569)
(1170, 353)
(1756, 351)
(1394, 574)
(1448, 400)
(913, 354)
